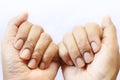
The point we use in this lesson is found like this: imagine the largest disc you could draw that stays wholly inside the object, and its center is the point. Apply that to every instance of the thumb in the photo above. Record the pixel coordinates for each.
(14, 24)
(109, 31)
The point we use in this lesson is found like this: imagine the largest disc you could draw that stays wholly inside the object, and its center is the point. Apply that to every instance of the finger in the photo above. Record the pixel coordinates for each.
(81, 38)
(109, 31)
(31, 41)
(39, 50)
(73, 50)
(94, 36)
(13, 25)
(22, 34)
(64, 55)
(49, 55)
(52, 70)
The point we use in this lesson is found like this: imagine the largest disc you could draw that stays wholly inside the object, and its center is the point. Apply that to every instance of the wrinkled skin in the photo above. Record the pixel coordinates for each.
(105, 65)
(13, 67)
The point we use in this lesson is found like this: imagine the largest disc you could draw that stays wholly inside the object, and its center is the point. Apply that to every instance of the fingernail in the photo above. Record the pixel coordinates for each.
(42, 65)
(80, 62)
(94, 46)
(19, 44)
(25, 54)
(32, 63)
(88, 58)
(70, 63)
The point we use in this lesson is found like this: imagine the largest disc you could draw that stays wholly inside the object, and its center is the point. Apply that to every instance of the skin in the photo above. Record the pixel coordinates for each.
(81, 44)
(28, 41)
(105, 65)
(15, 68)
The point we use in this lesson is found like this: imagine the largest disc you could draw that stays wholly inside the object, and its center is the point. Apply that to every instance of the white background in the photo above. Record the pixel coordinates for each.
(59, 16)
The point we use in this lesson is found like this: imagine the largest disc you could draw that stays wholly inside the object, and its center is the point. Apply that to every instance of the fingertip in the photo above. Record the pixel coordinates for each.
(14, 23)
(20, 18)
(106, 21)
(109, 30)
(23, 15)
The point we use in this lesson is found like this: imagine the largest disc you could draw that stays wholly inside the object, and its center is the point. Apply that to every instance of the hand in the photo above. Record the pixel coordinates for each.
(15, 68)
(35, 46)
(105, 64)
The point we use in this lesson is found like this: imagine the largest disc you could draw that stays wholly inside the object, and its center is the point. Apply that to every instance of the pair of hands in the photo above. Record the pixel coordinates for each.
(88, 53)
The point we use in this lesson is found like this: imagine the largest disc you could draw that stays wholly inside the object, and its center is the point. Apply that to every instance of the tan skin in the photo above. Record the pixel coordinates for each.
(15, 68)
(105, 65)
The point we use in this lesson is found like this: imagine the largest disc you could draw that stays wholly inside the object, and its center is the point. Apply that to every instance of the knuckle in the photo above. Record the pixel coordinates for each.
(77, 27)
(54, 46)
(92, 28)
(38, 27)
(66, 37)
(46, 36)
(26, 23)
(92, 24)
